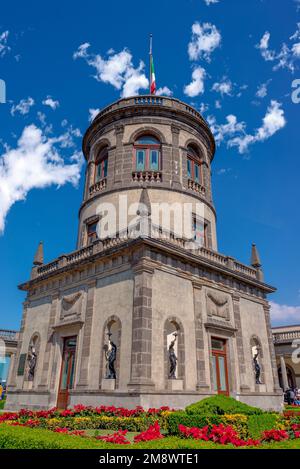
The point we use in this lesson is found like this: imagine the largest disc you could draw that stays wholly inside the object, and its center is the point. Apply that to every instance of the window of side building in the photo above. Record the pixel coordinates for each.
(147, 154)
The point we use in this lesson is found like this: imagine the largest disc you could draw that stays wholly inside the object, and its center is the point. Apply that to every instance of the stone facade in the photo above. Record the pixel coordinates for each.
(287, 349)
(143, 289)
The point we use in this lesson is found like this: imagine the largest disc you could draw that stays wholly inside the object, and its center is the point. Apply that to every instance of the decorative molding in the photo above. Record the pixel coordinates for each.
(217, 305)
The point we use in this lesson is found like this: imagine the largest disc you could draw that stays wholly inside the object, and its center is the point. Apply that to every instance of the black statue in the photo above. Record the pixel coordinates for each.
(32, 359)
(110, 355)
(257, 368)
(172, 358)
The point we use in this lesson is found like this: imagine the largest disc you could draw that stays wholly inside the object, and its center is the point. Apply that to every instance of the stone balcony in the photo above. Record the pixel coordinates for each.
(285, 337)
(158, 235)
(98, 186)
(196, 187)
(147, 176)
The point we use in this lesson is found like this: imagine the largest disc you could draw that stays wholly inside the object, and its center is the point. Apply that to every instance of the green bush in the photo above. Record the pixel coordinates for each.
(133, 424)
(259, 423)
(12, 437)
(221, 405)
(190, 420)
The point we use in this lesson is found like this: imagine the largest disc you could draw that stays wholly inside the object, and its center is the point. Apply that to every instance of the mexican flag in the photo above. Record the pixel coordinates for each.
(152, 77)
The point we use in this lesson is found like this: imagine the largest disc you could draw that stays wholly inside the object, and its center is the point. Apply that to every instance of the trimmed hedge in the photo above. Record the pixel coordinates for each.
(12, 437)
(133, 424)
(259, 423)
(221, 405)
(190, 420)
(27, 438)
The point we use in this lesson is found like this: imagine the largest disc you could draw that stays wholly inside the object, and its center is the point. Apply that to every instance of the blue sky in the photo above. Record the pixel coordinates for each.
(233, 60)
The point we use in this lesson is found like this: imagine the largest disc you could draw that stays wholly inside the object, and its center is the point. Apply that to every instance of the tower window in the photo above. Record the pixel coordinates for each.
(91, 229)
(194, 170)
(200, 232)
(101, 165)
(147, 154)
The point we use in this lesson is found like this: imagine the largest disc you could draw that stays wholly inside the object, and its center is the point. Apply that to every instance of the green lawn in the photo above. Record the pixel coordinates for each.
(13, 437)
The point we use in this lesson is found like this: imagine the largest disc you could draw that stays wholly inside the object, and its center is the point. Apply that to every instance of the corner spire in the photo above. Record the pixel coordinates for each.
(145, 203)
(255, 259)
(39, 255)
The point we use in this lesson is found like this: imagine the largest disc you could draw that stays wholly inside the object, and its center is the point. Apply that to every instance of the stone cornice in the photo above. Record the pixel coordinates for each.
(134, 186)
(184, 257)
(149, 106)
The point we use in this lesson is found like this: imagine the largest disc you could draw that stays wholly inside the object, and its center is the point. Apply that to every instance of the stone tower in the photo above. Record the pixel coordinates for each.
(148, 279)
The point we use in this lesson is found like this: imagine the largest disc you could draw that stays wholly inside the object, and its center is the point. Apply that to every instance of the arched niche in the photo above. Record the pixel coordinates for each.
(173, 326)
(112, 326)
(255, 345)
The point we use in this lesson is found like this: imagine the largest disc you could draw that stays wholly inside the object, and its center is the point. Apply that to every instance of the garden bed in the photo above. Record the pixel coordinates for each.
(210, 423)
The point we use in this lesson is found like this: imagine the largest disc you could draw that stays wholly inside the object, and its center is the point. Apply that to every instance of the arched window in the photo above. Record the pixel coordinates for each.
(194, 165)
(147, 153)
(101, 165)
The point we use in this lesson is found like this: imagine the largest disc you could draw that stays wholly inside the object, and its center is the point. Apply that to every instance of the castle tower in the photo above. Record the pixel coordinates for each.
(145, 311)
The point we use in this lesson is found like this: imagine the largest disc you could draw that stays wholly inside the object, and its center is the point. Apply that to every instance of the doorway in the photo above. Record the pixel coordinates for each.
(219, 366)
(67, 372)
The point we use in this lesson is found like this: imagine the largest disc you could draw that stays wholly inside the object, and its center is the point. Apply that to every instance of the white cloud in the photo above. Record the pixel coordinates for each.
(196, 86)
(4, 48)
(262, 90)
(35, 162)
(273, 121)
(234, 132)
(211, 2)
(205, 39)
(92, 113)
(286, 56)
(49, 101)
(164, 91)
(23, 107)
(117, 70)
(296, 49)
(283, 313)
(229, 129)
(203, 108)
(218, 104)
(223, 87)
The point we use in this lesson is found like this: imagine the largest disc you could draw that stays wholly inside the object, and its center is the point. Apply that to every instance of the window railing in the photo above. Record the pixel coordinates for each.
(8, 334)
(147, 176)
(195, 186)
(279, 337)
(98, 186)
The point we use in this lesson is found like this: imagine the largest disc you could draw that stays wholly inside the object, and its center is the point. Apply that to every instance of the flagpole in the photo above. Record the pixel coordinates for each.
(150, 60)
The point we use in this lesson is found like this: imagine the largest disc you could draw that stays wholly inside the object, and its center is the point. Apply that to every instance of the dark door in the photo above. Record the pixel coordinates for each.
(67, 372)
(219, 366)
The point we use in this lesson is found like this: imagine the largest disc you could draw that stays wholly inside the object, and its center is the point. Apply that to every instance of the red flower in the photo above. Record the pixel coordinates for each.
(194, 432)
(153, 433)
(61, 430)
(66, 413)
(275, 435)
(117, 438)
